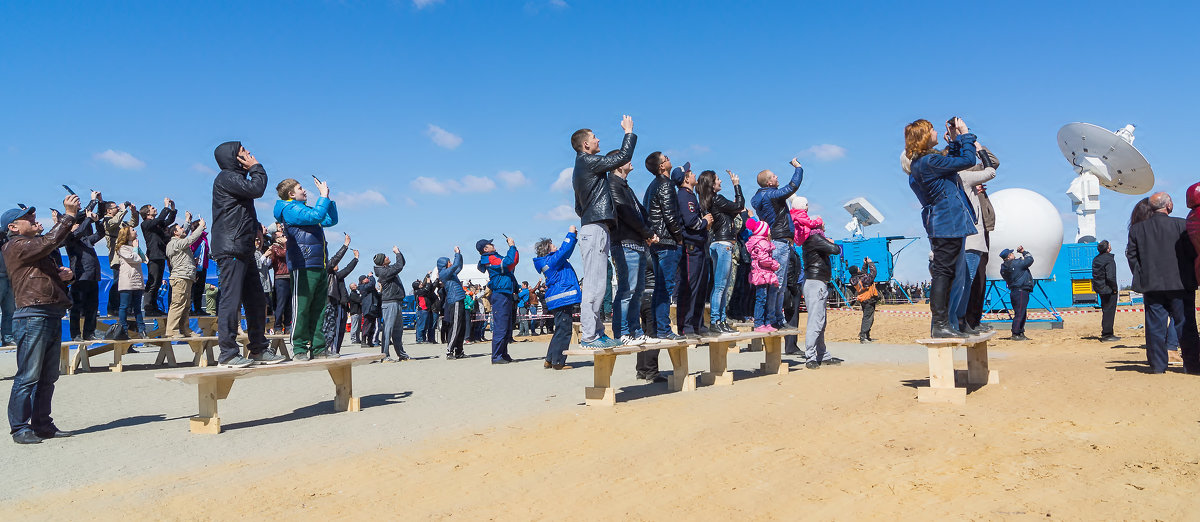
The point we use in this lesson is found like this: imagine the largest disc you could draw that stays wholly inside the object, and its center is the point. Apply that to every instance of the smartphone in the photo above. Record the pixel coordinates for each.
(505, 235)
(315, 179)
(69, 191)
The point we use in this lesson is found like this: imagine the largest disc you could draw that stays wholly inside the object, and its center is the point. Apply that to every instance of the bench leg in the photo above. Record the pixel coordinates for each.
(602, 394)
(64, 360)
(81, 359)
(773, 350)
(680, 379)
(118, 352)
(941, 379)
(344, 399)
(977, 365)
(166, 353)
(718, 365)
(211, 390)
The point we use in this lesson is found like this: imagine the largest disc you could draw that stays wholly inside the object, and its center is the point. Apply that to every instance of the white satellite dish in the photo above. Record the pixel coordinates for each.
(863, 214)
(1101, 158)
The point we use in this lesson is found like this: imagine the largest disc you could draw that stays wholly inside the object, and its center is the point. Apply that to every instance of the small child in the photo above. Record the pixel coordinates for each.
(762, 270)
(803, 224)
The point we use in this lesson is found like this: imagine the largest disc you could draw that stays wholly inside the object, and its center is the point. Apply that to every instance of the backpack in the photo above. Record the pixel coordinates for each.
(864, 289)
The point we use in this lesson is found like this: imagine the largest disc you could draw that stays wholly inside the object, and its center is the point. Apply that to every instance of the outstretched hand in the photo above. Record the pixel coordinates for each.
(322, 188)
(795, 163)
(733, 177)
(355, 253)
(395, 249)
(457, 250)
(347, 241)
(572, 229)
(71, 204)
(511, 242)
(627, 123)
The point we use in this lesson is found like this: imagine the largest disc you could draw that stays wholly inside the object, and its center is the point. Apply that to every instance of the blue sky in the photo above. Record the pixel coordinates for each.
(437, 123)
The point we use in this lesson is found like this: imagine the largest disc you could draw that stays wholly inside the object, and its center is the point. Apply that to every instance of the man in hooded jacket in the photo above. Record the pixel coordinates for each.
(235, 224)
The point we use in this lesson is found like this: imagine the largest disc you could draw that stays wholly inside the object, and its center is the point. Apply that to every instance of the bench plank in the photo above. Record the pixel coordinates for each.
(194, 376)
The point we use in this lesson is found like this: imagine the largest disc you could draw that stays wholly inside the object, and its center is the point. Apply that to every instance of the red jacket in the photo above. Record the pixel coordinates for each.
(1193, 222)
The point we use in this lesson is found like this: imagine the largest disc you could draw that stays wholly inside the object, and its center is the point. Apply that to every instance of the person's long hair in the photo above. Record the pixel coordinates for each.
(1141, 212)
(125, 236)
(918, 139)
(704, 189)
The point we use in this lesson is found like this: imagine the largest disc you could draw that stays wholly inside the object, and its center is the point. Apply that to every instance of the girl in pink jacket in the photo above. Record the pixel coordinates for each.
(801, 223)
(762, 270)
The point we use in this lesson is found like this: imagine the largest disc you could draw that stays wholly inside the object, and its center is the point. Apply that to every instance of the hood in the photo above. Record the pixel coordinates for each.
(905, 163)
(226, 156)
(1193, 196)
(277, 212)
(539, 263)
(443, 262)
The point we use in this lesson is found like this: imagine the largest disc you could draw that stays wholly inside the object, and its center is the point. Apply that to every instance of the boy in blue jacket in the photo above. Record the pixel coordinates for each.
(503, 284)
(562, 293)
(306, 260)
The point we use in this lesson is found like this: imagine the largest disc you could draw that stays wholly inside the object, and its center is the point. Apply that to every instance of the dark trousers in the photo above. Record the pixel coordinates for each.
(239, 285)
(868, 319)
(198, 291)
(333, 325)
(693, 276)
(114, 297)
(978, 293)
(946, 254)
(1108, 312)
(503, 308)
(368, 329)
(154, 275)
(791, 314)
(283, 304)
(85, 304)
(647, 361)
(1020, 300)
(1178, 307)
(456, 315)
(562, 335)
(38, 340)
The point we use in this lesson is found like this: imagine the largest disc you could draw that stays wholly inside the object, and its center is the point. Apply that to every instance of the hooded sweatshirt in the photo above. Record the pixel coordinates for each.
(235, 222)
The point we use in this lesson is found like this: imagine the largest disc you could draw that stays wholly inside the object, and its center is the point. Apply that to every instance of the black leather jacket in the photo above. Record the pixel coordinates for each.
(631, 217)
(662, 211)
(725, 214)
(817, 250)
(593, 196)
(235, 222)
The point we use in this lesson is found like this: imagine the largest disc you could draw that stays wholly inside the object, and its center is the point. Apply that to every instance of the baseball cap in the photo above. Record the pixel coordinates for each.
(14, 214)
(482, 243)
(1004, 253)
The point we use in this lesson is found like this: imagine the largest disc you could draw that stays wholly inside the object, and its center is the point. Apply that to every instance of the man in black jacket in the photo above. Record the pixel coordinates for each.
(1161, 257)
(1020, 283)
(85, 289)
(1104, 283)
(355, 300)
(664, 220)
(594, 204)
(154, 233)
(235, 225)
(632, 239)
(817, 273)
(392, 298)
(689, 309)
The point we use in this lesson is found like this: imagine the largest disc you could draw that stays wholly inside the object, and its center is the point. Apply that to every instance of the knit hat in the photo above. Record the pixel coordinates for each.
(380, 259)
(443, 262)
(482, 243)
(798, 202)
(1004, 253)
(756, 227)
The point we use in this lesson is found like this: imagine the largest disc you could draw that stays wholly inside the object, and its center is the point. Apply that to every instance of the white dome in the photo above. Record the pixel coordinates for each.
(1025, 218)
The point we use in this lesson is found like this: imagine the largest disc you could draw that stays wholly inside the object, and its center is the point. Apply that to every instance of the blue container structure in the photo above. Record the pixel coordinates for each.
(876, 248)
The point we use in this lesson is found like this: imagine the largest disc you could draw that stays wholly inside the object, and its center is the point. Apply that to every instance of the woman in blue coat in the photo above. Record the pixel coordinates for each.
(562, 293)
(945, 211)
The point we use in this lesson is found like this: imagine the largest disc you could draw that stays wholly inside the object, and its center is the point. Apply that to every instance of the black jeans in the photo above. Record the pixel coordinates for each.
(198, 291)
(978, 293)
(85, 304)
(1180, 308)
(868, 319)
(154, 274)
(1020, 300)
(239, 285)
(945, 254)
(647, 361)
(114, 297)
(1108, 312)
(562, 335)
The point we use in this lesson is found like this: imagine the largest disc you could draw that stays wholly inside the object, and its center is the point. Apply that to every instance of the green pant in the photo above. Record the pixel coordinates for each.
(309, 289)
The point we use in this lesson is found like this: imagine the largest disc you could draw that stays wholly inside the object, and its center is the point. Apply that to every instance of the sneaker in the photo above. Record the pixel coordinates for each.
(388, 360)
(609, 341)
(629, 340)
(236, 362)
(300, 357)
(595, 344)
(670, 337)
(763, 329)
(460, 356)
(642, 339)
(832, 361)
(1109, 339)
(812, 365)
(563, 367)
(267, 357)
(1173, 358)
(326, 355)
(1019, 337)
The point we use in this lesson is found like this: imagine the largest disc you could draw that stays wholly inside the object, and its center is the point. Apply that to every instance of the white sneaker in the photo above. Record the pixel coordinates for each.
(629, 340)
(654, 340)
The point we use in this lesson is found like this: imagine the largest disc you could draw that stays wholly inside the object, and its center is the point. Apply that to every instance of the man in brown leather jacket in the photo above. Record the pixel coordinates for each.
(40, 287)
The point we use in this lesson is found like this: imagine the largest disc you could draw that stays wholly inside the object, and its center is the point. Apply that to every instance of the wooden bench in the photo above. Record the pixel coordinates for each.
(602, 392)
(213, 384)
(201, 346)
(941, 387)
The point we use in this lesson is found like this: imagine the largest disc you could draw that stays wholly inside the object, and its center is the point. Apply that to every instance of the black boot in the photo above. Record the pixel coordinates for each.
(939, 299)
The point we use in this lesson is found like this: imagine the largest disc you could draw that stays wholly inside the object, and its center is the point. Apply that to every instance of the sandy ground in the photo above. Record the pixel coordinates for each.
(1074, 430)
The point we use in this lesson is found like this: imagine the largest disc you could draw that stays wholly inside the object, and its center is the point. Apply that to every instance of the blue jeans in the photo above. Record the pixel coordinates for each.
(971, 261)
(7, 305)
(630, 267)
(760, 304)
(38, 341)
(774, 312)
(960, 289)
(132, 299)
(666, 275)
(1162, 309)
(721, 254)
(422, 320)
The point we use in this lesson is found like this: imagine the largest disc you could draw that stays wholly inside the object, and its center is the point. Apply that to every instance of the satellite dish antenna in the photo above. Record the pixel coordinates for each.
(1101, 157)
(863, 214)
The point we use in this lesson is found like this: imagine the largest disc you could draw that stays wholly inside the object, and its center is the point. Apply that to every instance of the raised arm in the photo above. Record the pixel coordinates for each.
(252, 188)
(597, 164)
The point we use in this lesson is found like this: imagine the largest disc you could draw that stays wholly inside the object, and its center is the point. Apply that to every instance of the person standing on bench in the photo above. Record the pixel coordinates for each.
(503, 284)
(306, 259)
(455, 307)
(242, 179)
(771, 207)
(40, 287)
(689, 310)
(392, 298)
(114, 215)
(594, 205)
(130, 284)
(154, 234)
(629, 256)
(183, 271)
(564, 292)
(85, 289)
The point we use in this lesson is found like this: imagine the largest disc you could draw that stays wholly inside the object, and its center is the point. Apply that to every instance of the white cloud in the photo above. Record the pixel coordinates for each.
(365, 198)
(429, 185)
(563, 183)
(422, 4)
(120, 159)
(824, 152)
(559, 213)
(410, 201)
(443, 138)
(203, 169)
(512, 178)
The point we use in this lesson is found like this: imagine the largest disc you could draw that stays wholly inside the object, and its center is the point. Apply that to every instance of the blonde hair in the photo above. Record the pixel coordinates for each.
(284, 188)
(125, 235)
(918, 139)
